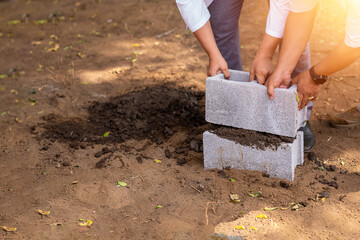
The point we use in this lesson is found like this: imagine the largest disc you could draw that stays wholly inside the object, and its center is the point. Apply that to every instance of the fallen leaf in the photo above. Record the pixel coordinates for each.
(88, 223)
(81, 55)
(75, 182)
(35, 43)
(4, 113)
(342, 163)
(159, 206)
(44, 213)
(157, 161)
(67, 47)
(8, 229)
(13, 91)
(257, 194)
(234, 198)
(106, 134)
(54, 49)
(177, 36)
(122, 184)
(232, 179)
(14, 22)
(135, 45)
(40, 68)
(270, 209)
(53, 37)
(253, 229)
(38, 22)
(297, 97)
(18, 120)
(134, 60)
(261, 216)
(239, 227)
(2, 76)
(85, 83)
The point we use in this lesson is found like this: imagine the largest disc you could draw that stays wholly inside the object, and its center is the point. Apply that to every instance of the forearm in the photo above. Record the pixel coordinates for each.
(268, 46)
(338, 59)
(296, 36)
(206, 38)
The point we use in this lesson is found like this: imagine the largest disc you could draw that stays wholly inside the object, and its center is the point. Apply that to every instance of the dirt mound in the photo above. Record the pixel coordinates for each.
(151, 113)
(255, 139)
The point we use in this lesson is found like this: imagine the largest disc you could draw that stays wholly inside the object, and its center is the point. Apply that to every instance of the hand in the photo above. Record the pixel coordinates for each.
(307, 89)
(277, 79)
(217, 64)
(261, 68)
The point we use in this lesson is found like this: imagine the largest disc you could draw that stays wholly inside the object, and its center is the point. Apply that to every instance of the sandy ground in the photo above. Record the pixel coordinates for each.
(99, 66)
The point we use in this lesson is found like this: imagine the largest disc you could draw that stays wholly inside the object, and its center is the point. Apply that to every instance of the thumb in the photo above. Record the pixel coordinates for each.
(252, 74)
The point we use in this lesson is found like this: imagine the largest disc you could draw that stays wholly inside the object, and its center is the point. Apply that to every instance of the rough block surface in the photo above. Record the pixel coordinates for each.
(243, 104)
(220, 153)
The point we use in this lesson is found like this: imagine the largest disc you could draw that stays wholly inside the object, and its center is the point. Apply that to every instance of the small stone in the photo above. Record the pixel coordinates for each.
(311, 156)
(194, 145)
(284, 184)
(139, 160)
(167, 153)
(325, 194)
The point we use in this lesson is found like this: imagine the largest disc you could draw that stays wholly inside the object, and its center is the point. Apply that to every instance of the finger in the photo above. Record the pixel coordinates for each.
(211, 73)
(226, 73)
(304, 102)
(294, 81)
(260, 78)
(252, 75)
(270, 91)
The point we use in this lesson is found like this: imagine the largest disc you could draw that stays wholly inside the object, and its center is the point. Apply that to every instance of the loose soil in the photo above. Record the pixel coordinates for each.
(96, 93)
(250, 138)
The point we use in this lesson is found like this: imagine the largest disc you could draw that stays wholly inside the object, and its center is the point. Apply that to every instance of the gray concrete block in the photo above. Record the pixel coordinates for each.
(243, 104)
(220, 153)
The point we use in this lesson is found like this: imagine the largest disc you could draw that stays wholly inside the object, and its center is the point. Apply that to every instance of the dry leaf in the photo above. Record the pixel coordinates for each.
(239, 227)
(8, 229)
(44, 213)
(234, 198)
(88, 223)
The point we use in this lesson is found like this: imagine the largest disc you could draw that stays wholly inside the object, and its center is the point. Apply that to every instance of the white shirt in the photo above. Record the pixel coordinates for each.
(279, 10)
(194, 12)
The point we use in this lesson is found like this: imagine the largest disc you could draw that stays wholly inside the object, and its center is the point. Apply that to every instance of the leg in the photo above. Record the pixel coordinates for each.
(225, 25)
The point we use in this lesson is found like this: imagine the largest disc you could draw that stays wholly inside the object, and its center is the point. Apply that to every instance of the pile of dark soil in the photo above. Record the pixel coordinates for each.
(151, 113)
(255, 139)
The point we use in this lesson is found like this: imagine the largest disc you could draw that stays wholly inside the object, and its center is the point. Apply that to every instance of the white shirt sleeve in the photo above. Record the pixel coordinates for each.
(352, 29)
(194, 13)
(299, 6)
(275, 25)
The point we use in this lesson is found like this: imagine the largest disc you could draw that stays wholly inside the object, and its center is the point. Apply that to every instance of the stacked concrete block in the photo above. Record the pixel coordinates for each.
(242, 104)
(220, 153)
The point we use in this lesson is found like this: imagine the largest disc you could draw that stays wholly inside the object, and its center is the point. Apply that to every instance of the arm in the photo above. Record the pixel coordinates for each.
(296, 35)
(196, 17)
(217, 63)
(262, 66)
(341, 57)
